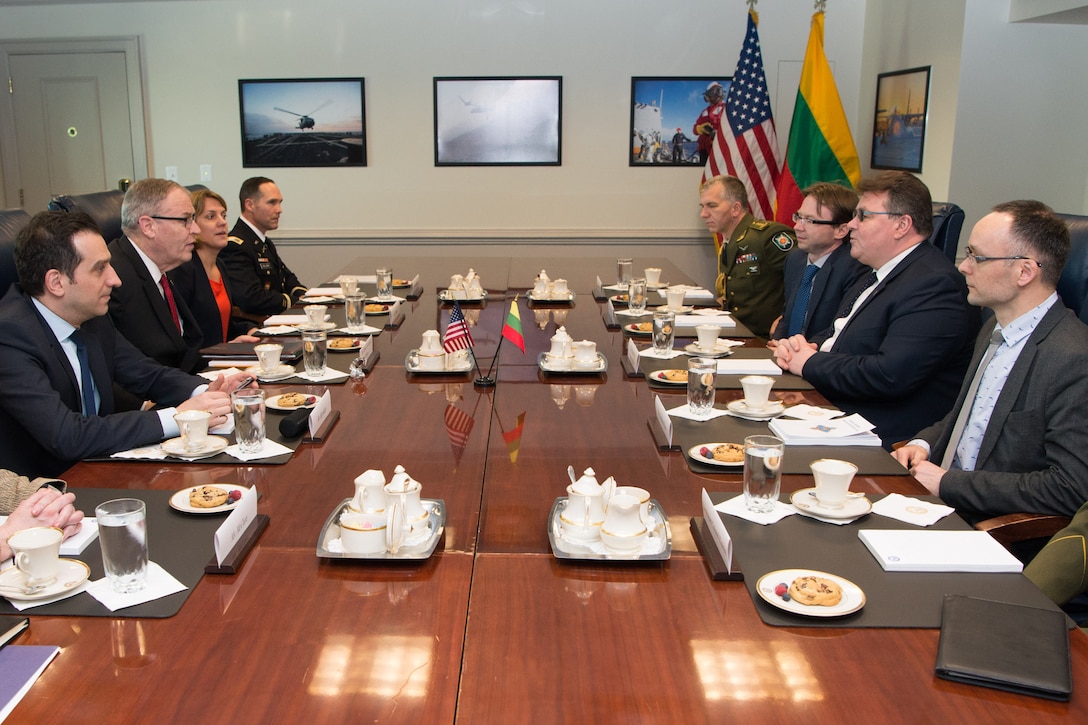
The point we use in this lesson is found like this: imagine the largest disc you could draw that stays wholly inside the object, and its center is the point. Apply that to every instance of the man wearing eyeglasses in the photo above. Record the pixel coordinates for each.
(901, 341)
(751, 257)
(820, 272)
(1016, 439)
(158, 220)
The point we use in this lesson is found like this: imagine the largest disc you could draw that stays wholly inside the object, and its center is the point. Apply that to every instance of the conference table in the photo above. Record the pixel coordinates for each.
(492, 627)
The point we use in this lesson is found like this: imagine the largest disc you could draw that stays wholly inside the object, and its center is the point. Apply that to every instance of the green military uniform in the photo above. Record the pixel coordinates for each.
(750, 272)
(1061, 568)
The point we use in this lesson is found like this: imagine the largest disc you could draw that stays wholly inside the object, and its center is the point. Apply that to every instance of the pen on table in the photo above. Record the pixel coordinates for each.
(245, 383)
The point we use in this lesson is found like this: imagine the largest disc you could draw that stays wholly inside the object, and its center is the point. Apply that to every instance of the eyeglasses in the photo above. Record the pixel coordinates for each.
(863, 214)
(186, 220)
(806, 220)
(979, 259)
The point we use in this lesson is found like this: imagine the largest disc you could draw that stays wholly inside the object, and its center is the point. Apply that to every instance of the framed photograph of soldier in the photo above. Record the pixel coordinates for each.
(674, 120)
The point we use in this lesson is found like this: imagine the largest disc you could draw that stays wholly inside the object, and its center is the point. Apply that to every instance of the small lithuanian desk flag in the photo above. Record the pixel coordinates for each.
(512, 329)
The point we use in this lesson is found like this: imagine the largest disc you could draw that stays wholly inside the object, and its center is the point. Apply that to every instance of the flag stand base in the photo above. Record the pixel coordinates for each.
(484, 382)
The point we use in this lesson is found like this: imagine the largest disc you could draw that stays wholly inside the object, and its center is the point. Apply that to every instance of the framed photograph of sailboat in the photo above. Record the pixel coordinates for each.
(899, 122)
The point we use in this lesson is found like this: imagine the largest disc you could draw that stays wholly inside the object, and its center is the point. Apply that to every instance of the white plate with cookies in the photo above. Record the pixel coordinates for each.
(718, 454)
(812, 593)
(210, 499)
(670, 377)
(291, 401)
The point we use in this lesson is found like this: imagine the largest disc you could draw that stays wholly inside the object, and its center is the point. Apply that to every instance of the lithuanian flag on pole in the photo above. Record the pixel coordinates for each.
(512, 329)
(820, 147)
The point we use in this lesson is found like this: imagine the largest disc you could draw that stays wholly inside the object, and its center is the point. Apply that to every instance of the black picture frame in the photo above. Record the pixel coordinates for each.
(660, 104)
(498, 121)
(899, 119)
(302, 122)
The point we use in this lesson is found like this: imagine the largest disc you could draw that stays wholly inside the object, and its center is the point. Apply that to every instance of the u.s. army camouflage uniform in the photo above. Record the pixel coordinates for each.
(750, 272)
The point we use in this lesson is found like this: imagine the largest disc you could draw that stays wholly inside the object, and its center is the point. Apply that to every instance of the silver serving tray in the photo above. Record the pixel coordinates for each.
(446, 296)
(564, 298)
(601, 367)
(414, 551)
(658, 545)
(464, 367)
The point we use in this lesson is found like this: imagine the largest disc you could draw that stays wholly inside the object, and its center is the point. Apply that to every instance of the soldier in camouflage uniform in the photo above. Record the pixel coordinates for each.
(752, 256)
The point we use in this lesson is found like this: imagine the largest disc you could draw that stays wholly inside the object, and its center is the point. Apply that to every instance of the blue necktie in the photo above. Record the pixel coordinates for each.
(800, 304)
(86, 381)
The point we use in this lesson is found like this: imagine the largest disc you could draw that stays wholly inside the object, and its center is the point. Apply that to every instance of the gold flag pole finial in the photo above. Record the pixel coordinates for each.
(820, 6)
(752, 5)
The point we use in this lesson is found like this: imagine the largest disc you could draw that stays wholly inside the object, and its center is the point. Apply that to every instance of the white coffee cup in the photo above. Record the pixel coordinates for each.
(348, 285)
(641, 494)
(708, 336)
(832, 479)
(675, 298)
(364, 533)
(315, 314)
(193, 428)
(431, 361)
(268, 356)
(756, 390)
(36, 554)
(653, 276)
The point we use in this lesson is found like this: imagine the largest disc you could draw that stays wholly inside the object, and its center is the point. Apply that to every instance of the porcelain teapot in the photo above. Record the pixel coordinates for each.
(405, 491)
(587, 500)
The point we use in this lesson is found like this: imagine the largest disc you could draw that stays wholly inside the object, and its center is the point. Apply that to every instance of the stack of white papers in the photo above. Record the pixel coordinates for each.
(730, 366)
(909, 550)
(853, 430)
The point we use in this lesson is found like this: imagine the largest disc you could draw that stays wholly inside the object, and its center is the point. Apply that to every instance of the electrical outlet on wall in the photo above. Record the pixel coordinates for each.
(172, 173)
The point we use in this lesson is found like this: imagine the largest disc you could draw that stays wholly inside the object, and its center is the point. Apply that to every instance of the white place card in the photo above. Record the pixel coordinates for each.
(231, 530)
(320, 413)
(632, 357)
(366, 349)
(610, 314)
(663, 419)
(714, 524)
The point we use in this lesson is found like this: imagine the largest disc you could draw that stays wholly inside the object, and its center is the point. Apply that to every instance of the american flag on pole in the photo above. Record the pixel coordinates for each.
(457, 336)
(750, 150)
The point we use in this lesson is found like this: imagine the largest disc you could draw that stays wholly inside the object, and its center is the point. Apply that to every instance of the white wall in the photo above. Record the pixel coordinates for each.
(197, 51)
(1020, 129)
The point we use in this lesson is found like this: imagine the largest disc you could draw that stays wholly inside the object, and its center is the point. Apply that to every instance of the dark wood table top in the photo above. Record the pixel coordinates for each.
(492, 628)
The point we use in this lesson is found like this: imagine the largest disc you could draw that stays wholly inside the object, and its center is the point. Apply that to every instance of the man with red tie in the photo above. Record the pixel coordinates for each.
(159, 223)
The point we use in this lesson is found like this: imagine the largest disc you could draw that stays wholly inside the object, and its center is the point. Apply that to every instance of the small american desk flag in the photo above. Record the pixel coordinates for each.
(457, 336)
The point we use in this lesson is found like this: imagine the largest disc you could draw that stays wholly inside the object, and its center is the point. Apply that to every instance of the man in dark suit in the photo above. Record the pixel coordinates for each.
(158, 220)
(1016, 439)
(260, 283)
(821, 264)
(60, 356)
(897, 351)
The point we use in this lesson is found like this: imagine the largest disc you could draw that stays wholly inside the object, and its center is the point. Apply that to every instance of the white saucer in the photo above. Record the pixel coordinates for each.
(773, 410)
(852, 507)
(180, 500)
(678, 310)
(721, 349)
(311, 326)
(70, 574)
(176, 448)
(274, 403)
(278, 373)
(853, 598)
(567, 296)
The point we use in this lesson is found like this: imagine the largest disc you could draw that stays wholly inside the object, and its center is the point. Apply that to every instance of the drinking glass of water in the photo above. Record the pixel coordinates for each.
(122, 533)
(762, 472)
(702, 374)
(249, 419)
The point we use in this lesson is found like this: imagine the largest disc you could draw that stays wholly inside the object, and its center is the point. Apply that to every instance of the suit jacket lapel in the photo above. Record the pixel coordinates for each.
(153, 293)
(1010, 391)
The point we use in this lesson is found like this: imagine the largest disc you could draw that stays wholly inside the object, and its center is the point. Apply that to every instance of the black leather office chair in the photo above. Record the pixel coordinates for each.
(1073, 285)
(103, 206)
(11, 221)
(947, 223)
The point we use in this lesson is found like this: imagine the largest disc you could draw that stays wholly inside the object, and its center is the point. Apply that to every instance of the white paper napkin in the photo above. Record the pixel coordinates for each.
(367, 330)
(328, 376)
(213, 375)
(387, 301)
(268, 450)
(277, 330)
(667, 355)
(160, 583)
(735, 507)
(150, 453)
(684, 411)
(911, 510)
(629, 313)
(318, 299)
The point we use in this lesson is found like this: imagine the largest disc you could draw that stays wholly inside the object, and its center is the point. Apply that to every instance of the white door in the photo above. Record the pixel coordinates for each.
(73, 124)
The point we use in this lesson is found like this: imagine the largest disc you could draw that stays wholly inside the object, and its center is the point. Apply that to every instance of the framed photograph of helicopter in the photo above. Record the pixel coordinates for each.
(899, 123)
(498, 121)
(303, 122)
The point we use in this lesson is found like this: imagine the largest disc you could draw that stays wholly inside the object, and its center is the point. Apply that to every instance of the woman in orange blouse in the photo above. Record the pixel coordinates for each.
(201, 281)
